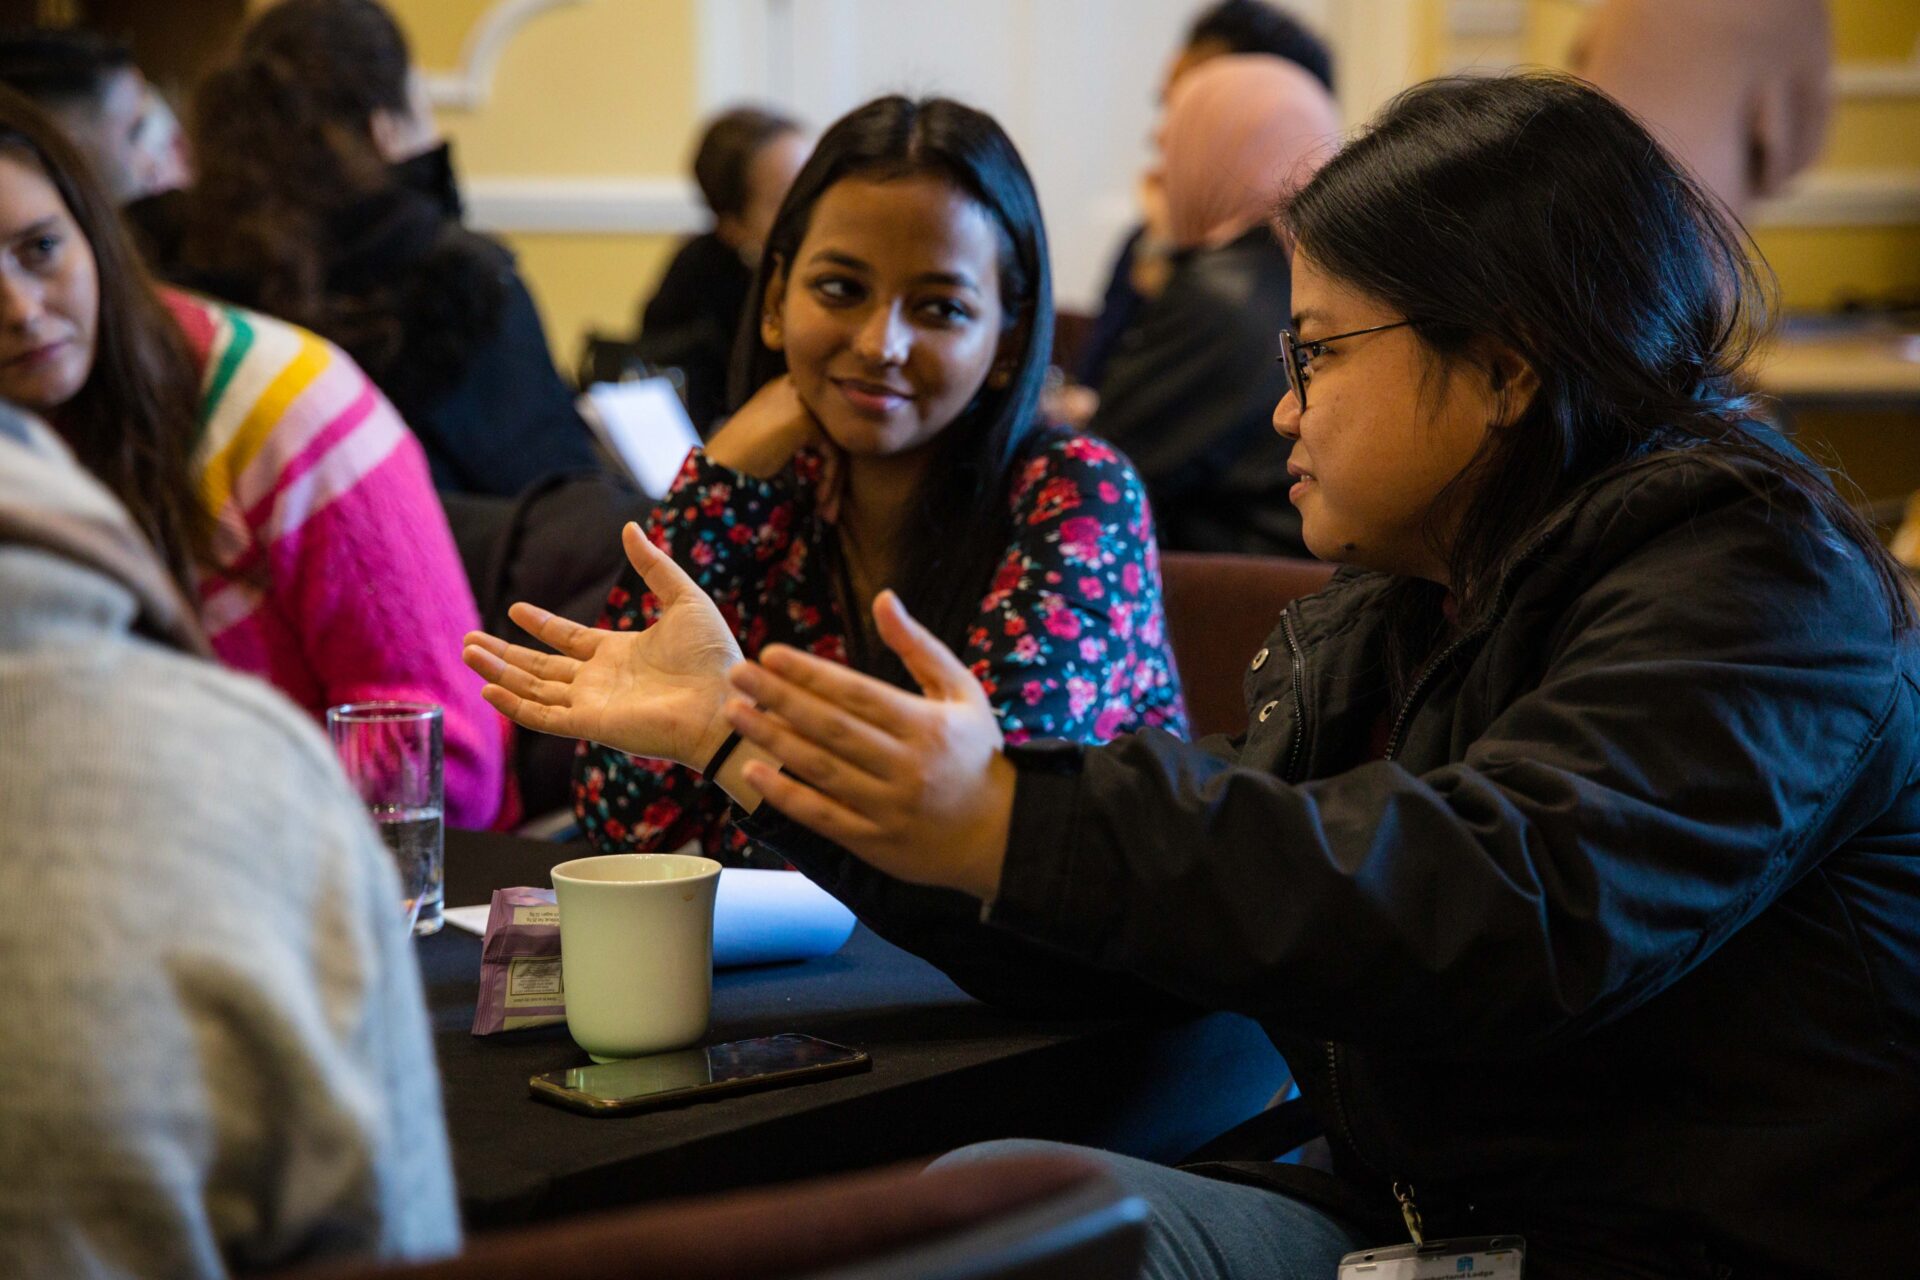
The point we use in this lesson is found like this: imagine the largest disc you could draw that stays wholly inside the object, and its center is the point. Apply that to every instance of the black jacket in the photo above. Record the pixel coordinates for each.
(1619, 949)
(692, 319)
(1189, 394)
(1120, 302)
(439, 318)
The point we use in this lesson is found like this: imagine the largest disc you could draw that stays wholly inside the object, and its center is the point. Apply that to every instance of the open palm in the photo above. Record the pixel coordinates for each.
(656, 692)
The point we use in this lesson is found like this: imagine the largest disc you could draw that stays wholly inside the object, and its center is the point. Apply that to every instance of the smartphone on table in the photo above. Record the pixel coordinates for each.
(689, 1075)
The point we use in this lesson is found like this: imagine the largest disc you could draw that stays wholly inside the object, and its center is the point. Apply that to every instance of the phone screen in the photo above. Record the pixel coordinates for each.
(732, 1067)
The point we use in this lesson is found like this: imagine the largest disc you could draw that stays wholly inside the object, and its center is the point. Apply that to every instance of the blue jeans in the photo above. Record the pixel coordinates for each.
(1203, 1229)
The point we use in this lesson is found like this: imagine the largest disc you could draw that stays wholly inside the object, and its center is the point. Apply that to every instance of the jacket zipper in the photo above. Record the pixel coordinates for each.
(1298, 657)
(1403, 1192)
(1332, 1049)
(1420, 685)
(1299, 695)
(1486, 624)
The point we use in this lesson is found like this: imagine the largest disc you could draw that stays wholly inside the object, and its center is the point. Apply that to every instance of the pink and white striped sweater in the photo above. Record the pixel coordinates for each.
(336, 578)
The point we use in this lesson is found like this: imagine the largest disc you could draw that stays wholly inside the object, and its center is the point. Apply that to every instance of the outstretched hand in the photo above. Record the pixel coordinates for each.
(916, 786)
(657, 692)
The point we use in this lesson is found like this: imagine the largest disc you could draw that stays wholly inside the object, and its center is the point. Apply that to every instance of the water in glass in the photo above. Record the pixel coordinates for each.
(415, 837)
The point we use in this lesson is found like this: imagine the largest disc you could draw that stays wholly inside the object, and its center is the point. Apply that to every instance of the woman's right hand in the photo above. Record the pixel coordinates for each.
(768, 430)
(657, 692)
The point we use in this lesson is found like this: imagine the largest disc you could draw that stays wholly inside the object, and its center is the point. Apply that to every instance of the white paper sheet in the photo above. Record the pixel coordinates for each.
(472, 919)
(759, 917)
(763, 916)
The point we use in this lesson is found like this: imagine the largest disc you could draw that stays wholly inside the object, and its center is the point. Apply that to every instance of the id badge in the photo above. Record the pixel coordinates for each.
(1468, 1258)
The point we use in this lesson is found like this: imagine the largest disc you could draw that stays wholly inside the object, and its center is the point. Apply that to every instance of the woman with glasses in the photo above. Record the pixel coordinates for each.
(1571, 853)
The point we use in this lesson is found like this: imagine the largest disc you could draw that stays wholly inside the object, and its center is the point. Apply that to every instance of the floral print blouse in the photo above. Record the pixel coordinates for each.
(1070, 641)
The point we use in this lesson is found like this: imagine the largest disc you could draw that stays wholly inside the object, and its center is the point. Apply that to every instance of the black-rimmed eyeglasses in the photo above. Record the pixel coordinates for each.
(1298, 356)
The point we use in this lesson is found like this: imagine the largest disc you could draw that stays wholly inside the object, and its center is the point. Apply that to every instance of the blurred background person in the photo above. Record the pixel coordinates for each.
(746, 160)
(93, 88)
(219, 1058)
(1140, 269)
(281, 490)
(325, 196)
(1191, 385)
(1739, 90)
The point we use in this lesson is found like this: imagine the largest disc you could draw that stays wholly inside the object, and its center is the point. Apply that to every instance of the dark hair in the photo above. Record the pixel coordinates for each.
(726, 152)
(1535, 212)
(135, 422)
(1250, 26)
(960, 522)
(61, 68)
(283, 141)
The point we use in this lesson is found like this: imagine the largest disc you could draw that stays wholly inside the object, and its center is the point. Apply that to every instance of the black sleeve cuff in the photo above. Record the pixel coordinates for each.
(1036, 879)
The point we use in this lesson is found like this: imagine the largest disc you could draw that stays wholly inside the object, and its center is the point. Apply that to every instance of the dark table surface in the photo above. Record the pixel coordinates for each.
(947, 1071)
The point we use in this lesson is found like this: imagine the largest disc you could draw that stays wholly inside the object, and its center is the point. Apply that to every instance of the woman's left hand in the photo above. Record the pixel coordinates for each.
(915, 786)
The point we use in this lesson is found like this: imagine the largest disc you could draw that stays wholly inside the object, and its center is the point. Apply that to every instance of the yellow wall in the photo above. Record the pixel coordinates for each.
(595, 88)
(589, 282)
(608, 89)
(1818, 266)
(1874, 29)
(1821, 267)
(598, 87)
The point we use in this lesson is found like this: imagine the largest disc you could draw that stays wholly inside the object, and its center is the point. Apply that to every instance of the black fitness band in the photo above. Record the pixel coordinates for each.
(720, 756)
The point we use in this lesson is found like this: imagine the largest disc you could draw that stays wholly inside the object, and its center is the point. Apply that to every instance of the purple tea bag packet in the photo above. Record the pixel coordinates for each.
(520, 963)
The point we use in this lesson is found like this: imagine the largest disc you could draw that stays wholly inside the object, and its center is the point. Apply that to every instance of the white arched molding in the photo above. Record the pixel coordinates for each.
(466, 87)
(1845, 198)
(601, 206)
(1889, 79)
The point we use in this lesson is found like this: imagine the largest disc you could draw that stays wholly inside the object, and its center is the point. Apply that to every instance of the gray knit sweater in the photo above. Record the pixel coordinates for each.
(214, 1053)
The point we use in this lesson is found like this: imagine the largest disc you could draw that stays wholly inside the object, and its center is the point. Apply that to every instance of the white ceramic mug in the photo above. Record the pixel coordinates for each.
(636, 950)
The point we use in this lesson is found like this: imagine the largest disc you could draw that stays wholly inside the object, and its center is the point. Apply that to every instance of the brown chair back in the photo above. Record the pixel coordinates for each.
(1220, 609)
(1012, 1218)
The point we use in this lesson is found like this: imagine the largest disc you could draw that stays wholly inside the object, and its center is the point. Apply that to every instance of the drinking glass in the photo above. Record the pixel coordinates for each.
(392, 755)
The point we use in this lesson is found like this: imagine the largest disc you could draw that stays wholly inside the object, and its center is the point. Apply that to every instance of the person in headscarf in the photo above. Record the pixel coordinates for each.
(1139, 269)
(1190, 389)
(1739, 90)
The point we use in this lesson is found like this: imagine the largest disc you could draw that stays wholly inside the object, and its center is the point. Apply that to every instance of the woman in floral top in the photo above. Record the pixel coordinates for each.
(893, 441)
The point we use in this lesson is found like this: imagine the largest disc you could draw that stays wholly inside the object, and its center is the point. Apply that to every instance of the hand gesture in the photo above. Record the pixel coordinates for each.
(768, 430)
(916, 786)
(657, 692)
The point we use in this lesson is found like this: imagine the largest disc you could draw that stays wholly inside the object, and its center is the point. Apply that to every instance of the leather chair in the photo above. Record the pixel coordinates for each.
(1014, 1218)
(1220, 610)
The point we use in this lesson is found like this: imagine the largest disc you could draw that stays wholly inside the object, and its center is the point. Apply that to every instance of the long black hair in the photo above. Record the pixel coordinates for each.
(959, 522)
(1534, 211)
